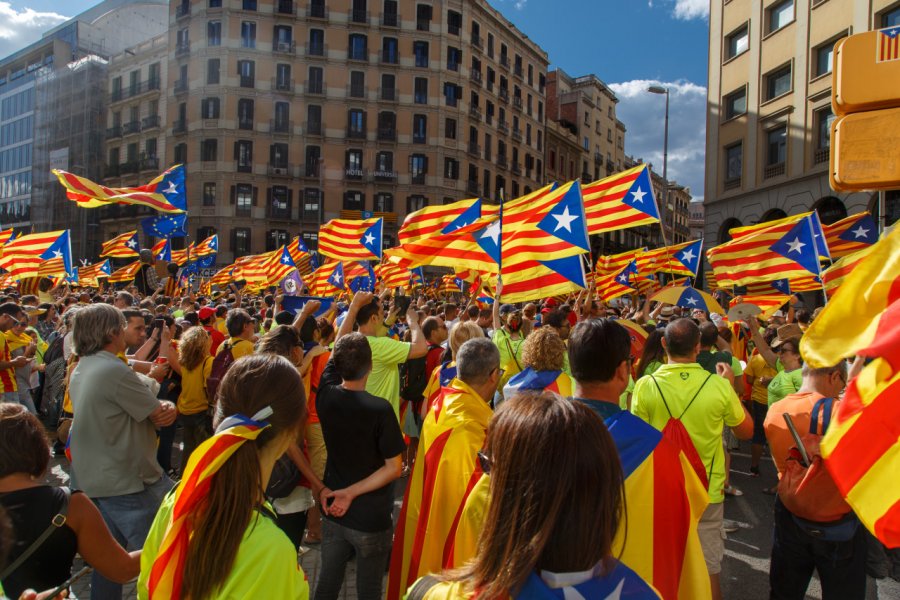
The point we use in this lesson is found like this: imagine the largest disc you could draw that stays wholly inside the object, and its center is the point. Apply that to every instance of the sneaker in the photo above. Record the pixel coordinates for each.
(730, 490)
(730, 526)
(754, 471)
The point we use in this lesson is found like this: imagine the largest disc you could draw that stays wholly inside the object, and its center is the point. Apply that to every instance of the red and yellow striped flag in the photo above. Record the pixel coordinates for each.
(345, 239)
(125, 245)
(165, 193)
(5, 236)
(620, 201)
(393, 276)
(768, 304)
(126, 273)
(851, 234)
(834, 276)
(180, 257)
(432, 221)
(301, 255)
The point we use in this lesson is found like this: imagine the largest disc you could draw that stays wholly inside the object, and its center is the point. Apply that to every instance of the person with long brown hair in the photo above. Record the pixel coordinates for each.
(556, 506)
(216, 536)
(193, 362)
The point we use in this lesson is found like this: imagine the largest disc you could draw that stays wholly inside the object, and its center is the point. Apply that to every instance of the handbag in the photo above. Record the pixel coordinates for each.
(285, 478)
(58, 520)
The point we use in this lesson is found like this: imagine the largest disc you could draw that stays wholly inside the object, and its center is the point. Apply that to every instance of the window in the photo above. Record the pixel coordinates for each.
(209, 150)
(276, 238)
(451, 168)
(315, 82)
(776, 146)
(283, 77)
(780, 14)
(891, 18)
(734, 155)
(280, 206)
(420, 129)
(824, 58)
(358, 12)
(420, 93)
(180, 153)
(247, 73)
(209, 194)
(357, 84)
(354, 201)
(248, 34)
(389, 17)
(454, 22)
(387, 126)
(313, 158)
(356, 123)
(240, 236)
(423, 17)
(311, 239)
(418, 167)
(389, 51)
(420, 50)
(245, 113)
(384, 165)
(354, 164)
(416, 202)
(476, 34)
(113, 158)
(243, 154)
(214, 33)
(454, 57)
(452, 93)
(314, 119)
(736, 103)
(384, 202)
(450, 129)
(311, 206)
(278, 155)
(248, 4)
(283, 38)
(737, 42)
(243, 198)
(357, 49)
(316, 46)
(778, 82)
(824, 119)
(209, 108)
(212, 71)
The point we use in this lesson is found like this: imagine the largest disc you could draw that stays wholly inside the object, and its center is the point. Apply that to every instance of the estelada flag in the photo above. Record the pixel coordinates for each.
(620, 201)
(125, 245)
(834, 276)
(851, 234)
(432, 221)
(532, 380)
(165, 193)
(444, 473)
(126, 273)
(348, 240)
(664, 501)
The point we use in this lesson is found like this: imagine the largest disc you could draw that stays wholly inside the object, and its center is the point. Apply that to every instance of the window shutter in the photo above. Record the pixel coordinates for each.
(237, 151)
(234, 194)
(268, 197)
(254, 195)
(290, 202)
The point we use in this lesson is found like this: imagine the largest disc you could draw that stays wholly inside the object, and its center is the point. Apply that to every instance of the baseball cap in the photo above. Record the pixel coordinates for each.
(507, 308)
(205, 313)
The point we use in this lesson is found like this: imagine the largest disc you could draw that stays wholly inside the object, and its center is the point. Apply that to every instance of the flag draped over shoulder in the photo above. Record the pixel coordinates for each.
(166, 193)
(345, 239)
(620, 201)
(445, 472)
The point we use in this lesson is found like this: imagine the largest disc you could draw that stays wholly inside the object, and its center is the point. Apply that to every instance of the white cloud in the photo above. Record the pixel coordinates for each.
(517, 4)
(20, 28)
(644, 116)
(691, 9)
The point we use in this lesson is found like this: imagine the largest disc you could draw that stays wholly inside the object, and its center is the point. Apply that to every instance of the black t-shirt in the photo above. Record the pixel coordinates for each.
(708, 360)
(361, 432)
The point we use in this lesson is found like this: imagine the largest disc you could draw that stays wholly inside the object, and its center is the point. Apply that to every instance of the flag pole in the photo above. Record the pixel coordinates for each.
(500, 248)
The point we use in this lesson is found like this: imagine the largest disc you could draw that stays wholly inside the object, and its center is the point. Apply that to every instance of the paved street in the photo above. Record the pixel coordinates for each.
(746, 567)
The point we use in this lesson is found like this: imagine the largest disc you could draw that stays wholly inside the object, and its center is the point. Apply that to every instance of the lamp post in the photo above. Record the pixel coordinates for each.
(657, 89)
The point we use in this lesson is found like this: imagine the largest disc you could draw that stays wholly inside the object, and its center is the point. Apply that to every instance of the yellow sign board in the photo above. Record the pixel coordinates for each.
(866, 74)
(864, 150)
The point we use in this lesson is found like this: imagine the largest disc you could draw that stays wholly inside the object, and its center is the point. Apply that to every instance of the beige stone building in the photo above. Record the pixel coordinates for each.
(290, 113)
(769, 109)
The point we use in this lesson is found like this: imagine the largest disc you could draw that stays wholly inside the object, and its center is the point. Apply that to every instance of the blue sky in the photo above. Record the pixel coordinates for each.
(629, 44)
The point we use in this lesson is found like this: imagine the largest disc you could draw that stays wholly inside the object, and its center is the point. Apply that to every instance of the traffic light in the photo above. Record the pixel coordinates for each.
(865, 98)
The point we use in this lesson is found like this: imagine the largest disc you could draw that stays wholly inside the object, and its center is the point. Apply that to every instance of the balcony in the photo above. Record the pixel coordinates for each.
(151, 122)
(316, 49)
(114, 132)
(247, 81)
(183, 48)
(501, 161)
(384, 176)
(131, 166)
(423, 24)
(356, 91)
(418, 179)
(359, 16)
(281, 126)
(388, 57)
(314, 88)
(116, 95)
(149, 163)
(732, 184)
(474, 150)
(474, 113)
(387, 94)
(131, 128)
(516, 169)
(354, 174)
(389, 20)
(183, 10)
(475, 76)
(179, 127)
(181, 86)
(419, 138)
(387, 134)
(517, 102)
(243, 167)
(774, 170)
(313, 128)
(503, 127)
(316, 11)
(503, 94)
(284, 86)
(472, 187)
(355, 134)
(111, 171)
(476, 41)
(586, 178)
(285, 8)
(504, 61)
(279, 170)
(598, 158)
(517, 135)
(246, 124)
(284, 47)
(517, 71)
(822, 155)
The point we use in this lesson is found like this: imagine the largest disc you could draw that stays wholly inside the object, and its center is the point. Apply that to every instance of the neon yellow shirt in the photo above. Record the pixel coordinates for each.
(384, 380)
(265, 566)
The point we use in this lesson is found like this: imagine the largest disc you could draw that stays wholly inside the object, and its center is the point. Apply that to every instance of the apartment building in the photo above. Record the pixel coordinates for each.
(697, 221)
(290, 113)
(769, 110)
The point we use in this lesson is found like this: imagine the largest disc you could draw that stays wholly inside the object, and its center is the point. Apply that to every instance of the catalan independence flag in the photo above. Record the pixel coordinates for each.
(851, 234)
(94, 272)
(531, 380)
(279, 265)
(785, 224)
(303, 259)
(183, 256)
(620, 201)
(664, 501)
(166, 193)
(125, 245)
(26, 255)
(392, 276)
(443, 219)
(126, 273)
(6, 235)
(207, 247)
(614, 285)
(345, 239)
(834, 276)
(888, 44)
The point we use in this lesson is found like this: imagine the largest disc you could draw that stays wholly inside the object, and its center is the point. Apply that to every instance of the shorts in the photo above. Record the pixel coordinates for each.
(759, 421)
(315, 445)
(712, 537)
(412, 422)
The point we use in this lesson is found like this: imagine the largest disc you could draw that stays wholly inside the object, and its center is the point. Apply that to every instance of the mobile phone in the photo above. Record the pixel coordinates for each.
(68, 582)
(402, 303)
(159, 323)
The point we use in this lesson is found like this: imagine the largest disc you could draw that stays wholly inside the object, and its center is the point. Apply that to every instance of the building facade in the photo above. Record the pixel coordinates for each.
(290, 113)
(696, 220)
(769, 110)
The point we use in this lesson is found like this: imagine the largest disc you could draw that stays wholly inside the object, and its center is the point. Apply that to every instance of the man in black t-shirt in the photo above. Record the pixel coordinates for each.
(365, 449)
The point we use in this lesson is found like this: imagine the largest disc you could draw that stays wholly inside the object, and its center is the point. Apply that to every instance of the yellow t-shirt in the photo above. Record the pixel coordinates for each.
(239, 347)
(220, 325)
(265, 566)
(756, 368)
(716, 407)
(192, 399)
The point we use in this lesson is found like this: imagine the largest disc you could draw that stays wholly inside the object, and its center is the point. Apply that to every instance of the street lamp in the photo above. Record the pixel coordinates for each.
(658, 89)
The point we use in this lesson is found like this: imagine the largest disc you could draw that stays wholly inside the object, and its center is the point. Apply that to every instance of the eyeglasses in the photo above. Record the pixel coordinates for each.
(485, 462)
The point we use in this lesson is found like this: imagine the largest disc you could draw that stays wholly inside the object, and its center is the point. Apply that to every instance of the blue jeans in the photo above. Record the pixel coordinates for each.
(339, 544)
(129, 518)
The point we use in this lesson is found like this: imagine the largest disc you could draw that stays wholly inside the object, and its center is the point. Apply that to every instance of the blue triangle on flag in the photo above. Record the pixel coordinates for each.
(782, 285)
(819, 236)
(336, 278)
(172, 187)
(286, 258)
(61, 248)
(371, 239)
(640, 195)
(799, 245)
(690, 257)
(565, 220)
(295, 304)
(468, 216)
(691, 298)
(571, 267)
(864, 231)
(489, 240)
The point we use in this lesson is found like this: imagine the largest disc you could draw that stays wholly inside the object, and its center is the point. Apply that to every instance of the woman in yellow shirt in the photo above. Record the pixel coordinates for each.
(194, 364)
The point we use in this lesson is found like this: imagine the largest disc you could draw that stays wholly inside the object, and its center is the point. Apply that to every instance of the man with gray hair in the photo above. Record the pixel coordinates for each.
(453, 434)
(113, 436)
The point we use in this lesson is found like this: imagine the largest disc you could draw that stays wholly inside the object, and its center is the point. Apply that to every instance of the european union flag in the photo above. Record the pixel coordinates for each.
(364, 283)
(166, 225)
(206, 262)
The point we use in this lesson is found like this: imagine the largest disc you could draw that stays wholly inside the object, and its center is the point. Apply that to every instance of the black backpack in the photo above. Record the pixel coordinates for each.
(221, 363)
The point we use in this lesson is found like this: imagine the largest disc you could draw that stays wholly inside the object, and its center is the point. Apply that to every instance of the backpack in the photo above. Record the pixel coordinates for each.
(675, 432)
(808, 491)
(221, 363)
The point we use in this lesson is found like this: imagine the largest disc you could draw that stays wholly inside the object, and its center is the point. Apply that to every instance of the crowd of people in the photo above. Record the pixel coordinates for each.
(538, 454)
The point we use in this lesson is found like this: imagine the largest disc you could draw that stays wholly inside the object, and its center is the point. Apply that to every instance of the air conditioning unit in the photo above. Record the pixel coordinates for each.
(279, 171)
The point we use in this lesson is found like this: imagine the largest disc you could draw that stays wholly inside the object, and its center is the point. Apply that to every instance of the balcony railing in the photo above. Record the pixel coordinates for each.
(245, 124)
(419, 138)
(242, 167)
(312, 128)
(285, 7)
(418, 179)
(474, 150)
(517, 135)
(179, 126)
(181, 86)
(283, 85)
(150, 122)
(773, 170)
(183, 10)
(247, 81)
(311, 171)
(359, 16)
(472, 187)
(314, 87)
(316, 49)
(732, 184)
(501, 161)
(356, 134)
(316, 11)
(504, 61)
(356, 91)
(389, 57)
(111, 171)
(387, 134)
(516, 168)
(517, 102)
(598, 158)
(517, 71)
(475, 76)
(283, 47)
(281, 126)
(822, 155)
(380, 175)
(475, 113)
(387, 94)
(503, 127)
(131, 166)
(476, 41)
(503, 94)
(114, 132)
(150, 163)
(131, 127)
(134, 90)
(279, 169)
(389, 20)
(183, 48)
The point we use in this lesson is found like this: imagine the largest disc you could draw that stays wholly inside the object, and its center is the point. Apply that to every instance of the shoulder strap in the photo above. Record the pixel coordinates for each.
(55, 523)
(513, 352)
(661, 395)
(422, 587)
(823, 405)
(697, 393)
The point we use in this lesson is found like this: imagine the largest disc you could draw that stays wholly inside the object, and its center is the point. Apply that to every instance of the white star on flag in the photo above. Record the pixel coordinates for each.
(493, 232)
(337, 277)
(692, 301)
(131, 243)
(370, 239)
(564, 220)
(172, 189)
(639, 195)
(861, 232)
(795, 246)
(688, 254)
(623, 278)
(57, 254)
